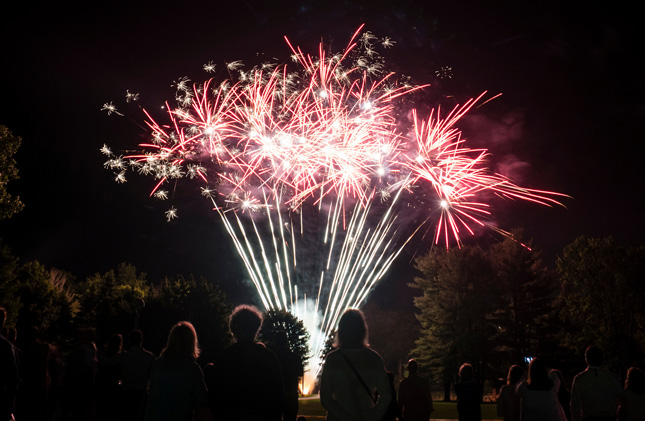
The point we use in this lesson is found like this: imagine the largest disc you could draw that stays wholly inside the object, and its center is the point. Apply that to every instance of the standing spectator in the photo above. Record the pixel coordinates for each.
(8, 373)
(632, 402)
(508, 401)
(595, 391)
(354, 384)
(292, 371)
(108, 376)
(80, 378)
(469, 395)
(539, 394)
(56, 369)
(37, 384)
(136, 363)
(245, 366)
(415, 400)
(564, 395)
(177, 391)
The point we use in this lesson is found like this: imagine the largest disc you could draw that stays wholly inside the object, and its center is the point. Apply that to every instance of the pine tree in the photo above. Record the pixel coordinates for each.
(458, 292)
(275, 320)
(526, 293)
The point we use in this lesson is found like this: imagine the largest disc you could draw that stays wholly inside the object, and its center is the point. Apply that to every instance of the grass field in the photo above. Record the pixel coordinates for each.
(312, 409)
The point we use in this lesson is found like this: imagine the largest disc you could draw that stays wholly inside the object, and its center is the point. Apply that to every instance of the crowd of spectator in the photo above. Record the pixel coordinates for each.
(124, 381)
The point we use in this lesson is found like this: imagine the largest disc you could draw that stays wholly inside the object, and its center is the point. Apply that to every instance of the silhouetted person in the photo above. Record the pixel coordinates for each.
(539, 394)
(108, 376)
(415, 399)
(595, 391)
(564, 394)
(136, 363)
(8, 373)
(292, 371)
(80, 378)
(632, 402)
(177, 391)
(354, 384)
(469, 395)
(56, 376)
(508, 401)
(34, 399)
(245, 367)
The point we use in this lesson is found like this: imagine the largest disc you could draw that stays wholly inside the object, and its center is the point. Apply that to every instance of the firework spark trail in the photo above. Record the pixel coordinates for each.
(363, 258)
(366, 255)
(326, 136)
(211, 119)
(459, 174)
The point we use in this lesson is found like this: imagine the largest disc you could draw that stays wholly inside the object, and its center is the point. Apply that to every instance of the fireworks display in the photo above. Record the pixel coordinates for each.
(309, 167)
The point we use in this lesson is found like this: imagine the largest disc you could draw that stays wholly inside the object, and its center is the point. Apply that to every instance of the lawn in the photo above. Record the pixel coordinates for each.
(312, 409)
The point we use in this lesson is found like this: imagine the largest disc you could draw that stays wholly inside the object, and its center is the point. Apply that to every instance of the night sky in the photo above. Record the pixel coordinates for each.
(570, 118)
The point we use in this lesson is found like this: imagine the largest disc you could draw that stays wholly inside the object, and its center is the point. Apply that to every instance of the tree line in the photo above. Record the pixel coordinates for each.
(123, 299)
(499, 305)
(113, 302)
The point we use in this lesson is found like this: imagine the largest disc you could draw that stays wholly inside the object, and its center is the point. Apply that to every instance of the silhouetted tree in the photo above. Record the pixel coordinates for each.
(604, 298)
(458, 293)
(392, 334)
(297, 334)
(109, 302)
(328, 347)
(47, 303)
(186, 298)
(9, 145)
(526, 297)
(9, 297)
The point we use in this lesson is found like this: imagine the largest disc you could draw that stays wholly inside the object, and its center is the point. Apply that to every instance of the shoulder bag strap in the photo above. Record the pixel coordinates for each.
(367, 389)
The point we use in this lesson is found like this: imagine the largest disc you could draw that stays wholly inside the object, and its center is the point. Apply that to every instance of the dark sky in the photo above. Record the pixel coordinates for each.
(571, 117)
